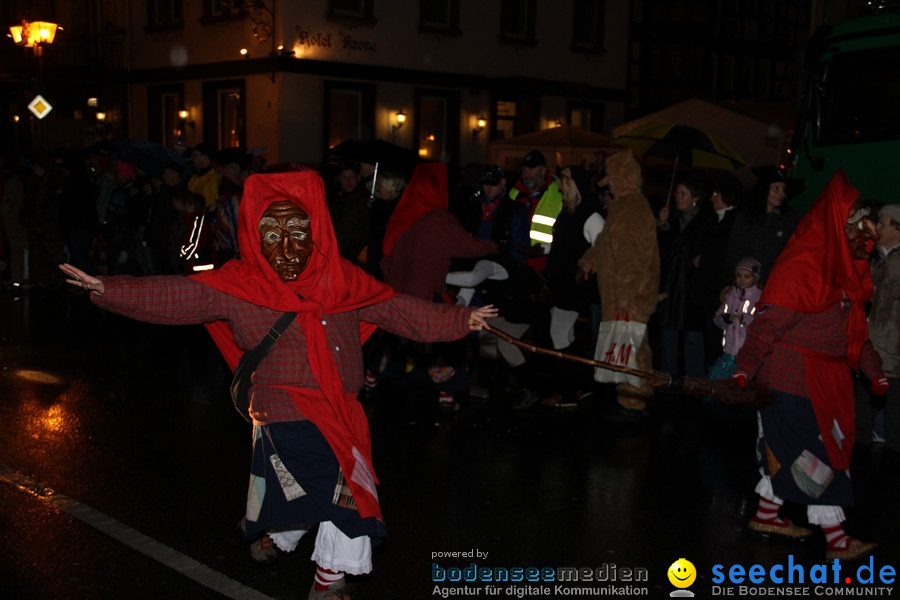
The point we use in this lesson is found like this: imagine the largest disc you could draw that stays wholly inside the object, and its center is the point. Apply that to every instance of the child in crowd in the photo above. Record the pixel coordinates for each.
(733, 316)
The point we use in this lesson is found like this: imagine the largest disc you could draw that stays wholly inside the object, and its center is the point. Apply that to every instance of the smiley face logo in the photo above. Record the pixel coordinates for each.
(682, 573)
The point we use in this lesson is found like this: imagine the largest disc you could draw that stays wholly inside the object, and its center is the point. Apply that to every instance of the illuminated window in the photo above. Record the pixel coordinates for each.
(231, 119)
(163, 104)
(224, 114)
(506, 119)
(349, 112)
(437, 130)
(586, 115)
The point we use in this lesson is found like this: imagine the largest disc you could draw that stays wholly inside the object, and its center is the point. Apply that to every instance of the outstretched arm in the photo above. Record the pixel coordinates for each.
(425, 321)
(79, 278)
(168, 299)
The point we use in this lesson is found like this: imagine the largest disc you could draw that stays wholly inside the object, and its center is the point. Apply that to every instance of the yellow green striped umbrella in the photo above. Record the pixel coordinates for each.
(682, 144)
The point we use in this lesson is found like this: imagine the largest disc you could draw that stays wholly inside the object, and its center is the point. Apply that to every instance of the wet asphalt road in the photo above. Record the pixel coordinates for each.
(123, 471)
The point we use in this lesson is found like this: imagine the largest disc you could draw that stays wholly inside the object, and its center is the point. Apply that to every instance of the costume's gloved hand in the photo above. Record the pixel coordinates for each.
(880, 386)
(741, 379)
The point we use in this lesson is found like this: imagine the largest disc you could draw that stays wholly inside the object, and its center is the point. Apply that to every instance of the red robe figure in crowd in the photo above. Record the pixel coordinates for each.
(421, 238)
(423, 235)
(810, 331)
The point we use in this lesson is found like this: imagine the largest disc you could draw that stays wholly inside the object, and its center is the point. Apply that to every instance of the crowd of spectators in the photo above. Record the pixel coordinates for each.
(119, 208)
(529, 241)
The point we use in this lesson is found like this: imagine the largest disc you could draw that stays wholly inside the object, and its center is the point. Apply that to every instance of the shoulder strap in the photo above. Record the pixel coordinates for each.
(240, 382)
(251, 358)
(275, 332)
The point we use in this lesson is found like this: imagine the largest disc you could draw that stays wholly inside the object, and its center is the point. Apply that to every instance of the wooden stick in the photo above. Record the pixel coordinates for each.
(725, 390)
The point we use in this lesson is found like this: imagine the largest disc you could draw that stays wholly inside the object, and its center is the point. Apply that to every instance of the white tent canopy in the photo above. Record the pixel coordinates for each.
(757, 142)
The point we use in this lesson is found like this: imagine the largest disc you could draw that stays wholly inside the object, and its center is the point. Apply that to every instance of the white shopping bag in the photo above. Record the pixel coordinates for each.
(617, 344)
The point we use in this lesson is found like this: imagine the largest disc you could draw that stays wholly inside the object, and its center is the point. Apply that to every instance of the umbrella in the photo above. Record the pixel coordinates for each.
(682, 144)
(346, 150)
(148, 156)
(388, 156)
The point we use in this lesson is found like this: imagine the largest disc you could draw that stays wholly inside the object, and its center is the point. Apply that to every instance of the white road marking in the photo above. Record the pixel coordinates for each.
(144, 544)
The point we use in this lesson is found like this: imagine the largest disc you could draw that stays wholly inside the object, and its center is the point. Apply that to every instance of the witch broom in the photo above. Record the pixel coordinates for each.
(724, 390)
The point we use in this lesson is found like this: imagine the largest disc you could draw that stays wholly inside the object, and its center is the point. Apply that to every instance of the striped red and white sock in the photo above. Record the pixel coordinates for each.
(767, 511)
(326, 578)
(835, 537)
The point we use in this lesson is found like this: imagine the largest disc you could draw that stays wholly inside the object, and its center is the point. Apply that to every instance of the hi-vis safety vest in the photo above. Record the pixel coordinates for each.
(545, 213)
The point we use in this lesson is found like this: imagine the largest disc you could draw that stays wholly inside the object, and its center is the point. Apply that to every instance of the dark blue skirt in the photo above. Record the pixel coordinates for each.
(792, 454)
(305, 453)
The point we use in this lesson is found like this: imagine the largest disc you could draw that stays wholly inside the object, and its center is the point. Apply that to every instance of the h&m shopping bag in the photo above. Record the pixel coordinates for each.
(617, 343)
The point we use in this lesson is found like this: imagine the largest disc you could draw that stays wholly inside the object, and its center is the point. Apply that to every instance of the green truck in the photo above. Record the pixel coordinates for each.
(850, 116)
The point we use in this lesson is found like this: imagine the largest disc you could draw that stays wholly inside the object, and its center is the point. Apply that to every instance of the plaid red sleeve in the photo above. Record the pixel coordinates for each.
(768, 327)
(779, 339)
(171, 300)
(419, 320)
(870, 362)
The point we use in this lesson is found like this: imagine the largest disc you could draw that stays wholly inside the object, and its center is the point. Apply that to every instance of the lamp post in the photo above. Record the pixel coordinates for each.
(34, 35)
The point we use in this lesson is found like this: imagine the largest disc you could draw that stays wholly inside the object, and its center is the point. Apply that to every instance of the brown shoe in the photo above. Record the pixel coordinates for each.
(784, 529)
(854, 549)
(336, 591)
(263, 551)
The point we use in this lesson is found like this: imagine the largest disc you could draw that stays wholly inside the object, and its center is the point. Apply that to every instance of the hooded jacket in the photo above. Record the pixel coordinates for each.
(625, 254)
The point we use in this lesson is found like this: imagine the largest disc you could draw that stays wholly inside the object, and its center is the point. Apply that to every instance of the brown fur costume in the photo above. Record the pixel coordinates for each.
(625, 257)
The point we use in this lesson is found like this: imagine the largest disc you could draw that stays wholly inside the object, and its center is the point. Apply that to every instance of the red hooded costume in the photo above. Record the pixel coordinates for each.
(329, 284)
(815, 272)
(818, 257)
(422, 237)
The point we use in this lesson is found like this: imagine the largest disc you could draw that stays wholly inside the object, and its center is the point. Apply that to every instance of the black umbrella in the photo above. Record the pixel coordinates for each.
(239, 155)
(346, 150)
(388, 156)
(681, 144)
(149, 157)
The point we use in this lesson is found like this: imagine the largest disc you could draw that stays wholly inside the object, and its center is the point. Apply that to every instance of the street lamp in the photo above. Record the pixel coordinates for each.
(34, 34)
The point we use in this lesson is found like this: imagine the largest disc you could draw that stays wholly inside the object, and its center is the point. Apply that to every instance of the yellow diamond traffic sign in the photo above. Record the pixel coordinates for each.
(40, 107)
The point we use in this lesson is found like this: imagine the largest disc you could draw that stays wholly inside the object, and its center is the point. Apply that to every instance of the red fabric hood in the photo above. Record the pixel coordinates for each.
(815, 270)
(328, 284)
(427, 190)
